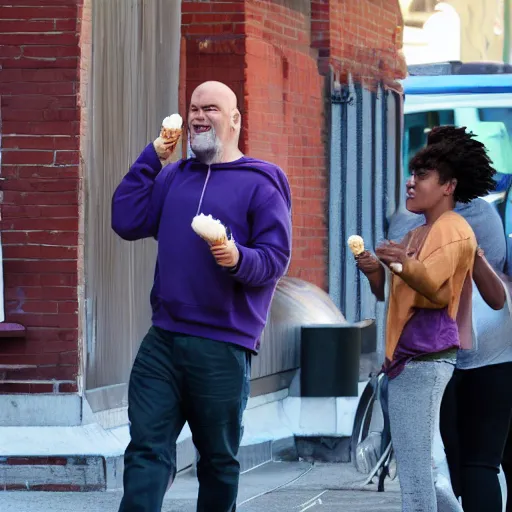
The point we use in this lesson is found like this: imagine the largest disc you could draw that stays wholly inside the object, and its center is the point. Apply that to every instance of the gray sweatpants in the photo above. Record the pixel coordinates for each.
(414, 408)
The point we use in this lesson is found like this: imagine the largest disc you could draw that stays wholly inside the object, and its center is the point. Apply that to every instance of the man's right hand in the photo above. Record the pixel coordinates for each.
(367, 263)
(164, 149)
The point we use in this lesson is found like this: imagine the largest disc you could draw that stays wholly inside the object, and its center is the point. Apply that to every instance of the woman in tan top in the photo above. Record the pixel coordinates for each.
(429, 314)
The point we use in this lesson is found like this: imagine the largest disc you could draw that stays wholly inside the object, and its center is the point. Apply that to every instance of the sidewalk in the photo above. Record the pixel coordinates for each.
(276, 487)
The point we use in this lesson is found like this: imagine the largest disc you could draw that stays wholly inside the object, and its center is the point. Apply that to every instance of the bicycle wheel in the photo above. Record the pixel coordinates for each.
(366, 443)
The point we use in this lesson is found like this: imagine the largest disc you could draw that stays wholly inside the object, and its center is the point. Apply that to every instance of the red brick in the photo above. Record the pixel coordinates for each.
(36, 307)
(57, 293)
(68, 307)
(40, 225)
(66, 25)
(61, 39)
(194, 7)
(51, 3)
(14, 388)
(10, 52)
(18, 89)
(27, 157)
(45, 286)
(15, 25)
(10, 172)
(36, 211)
(39, 141)
(40, 108)
(209, 18)
(37, 320)
(37, 267)
(68, 388)
(42, 128)
(44, 336)
(49, 172)
(41, 185)
(65, 238)
(69, 358)
(39, 252)
(38, 75)
(27, 115)
(64, 63)
(68, 280)
(12, 280)
(50, 52)
(234, 6)
(28, 347)
(59, 372)
(29, 359)
(59, 346)
(67, 158)
(37, 12)
(49, 198)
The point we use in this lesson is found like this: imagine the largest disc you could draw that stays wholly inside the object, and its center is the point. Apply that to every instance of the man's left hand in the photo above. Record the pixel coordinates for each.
(226, 255)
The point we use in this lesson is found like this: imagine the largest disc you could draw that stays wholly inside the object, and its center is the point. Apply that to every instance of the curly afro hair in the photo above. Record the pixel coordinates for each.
(455, 154)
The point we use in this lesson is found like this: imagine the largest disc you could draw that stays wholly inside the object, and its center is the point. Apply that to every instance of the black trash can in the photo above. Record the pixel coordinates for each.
(330, 357)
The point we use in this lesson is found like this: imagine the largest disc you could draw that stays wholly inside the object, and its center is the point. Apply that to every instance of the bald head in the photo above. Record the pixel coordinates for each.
(214, 123)
(221, 91)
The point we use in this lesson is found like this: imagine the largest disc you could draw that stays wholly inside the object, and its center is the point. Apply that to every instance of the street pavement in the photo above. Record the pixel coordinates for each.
(275, 487)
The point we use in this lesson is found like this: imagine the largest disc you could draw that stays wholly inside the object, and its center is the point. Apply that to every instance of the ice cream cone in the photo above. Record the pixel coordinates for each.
(171, 131)
(209, 229)
(356, 244)
(397, 268)
(216, 241)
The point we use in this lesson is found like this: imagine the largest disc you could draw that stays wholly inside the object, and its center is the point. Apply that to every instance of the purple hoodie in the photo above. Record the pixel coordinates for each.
(191, 293)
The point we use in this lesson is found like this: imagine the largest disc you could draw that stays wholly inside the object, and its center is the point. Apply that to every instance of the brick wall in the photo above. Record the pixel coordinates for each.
(277, 55)
(39, 84)
(360, 37)
(286, 121)
(213, 51)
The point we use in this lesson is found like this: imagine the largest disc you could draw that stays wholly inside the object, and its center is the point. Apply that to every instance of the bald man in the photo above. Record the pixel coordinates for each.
(209, 305)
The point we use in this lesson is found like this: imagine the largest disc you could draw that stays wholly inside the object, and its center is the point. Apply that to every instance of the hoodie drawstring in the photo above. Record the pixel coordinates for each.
(204, 189)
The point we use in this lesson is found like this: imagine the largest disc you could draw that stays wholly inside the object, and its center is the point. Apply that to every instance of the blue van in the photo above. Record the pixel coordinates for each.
(476, 95)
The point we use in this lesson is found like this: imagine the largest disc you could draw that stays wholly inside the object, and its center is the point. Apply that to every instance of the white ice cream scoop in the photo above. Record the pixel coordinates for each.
(172, 122)
(396, 267)
(356, 244)
(210, 229)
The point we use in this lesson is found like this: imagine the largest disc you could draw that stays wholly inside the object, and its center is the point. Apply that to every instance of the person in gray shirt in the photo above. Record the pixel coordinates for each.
(477, 405)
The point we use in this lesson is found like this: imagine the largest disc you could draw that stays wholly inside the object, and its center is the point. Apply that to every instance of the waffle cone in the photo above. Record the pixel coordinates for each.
(216, 241)
(171, 135)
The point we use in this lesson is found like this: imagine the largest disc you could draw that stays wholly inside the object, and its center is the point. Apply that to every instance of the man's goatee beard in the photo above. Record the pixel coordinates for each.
(207, 148)
(208, 155)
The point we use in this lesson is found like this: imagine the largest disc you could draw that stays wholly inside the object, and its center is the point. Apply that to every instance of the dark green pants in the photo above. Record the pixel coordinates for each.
(177, 378)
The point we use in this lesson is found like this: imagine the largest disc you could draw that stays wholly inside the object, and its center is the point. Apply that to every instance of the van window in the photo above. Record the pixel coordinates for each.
(416, 127)
(503, 114)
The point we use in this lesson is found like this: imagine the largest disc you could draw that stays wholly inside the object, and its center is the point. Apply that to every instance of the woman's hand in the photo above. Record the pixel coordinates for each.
(371, 267)
(367, 263)
(391, 252)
